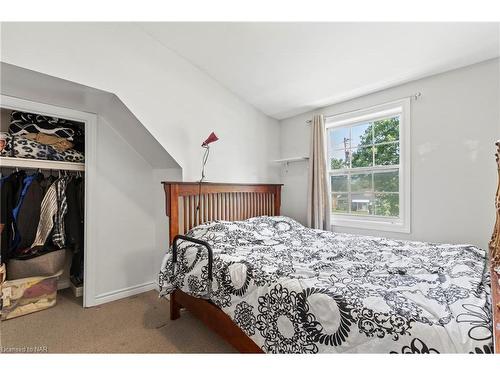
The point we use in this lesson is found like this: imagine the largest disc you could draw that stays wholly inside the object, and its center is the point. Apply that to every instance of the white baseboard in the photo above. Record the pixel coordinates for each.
(123, 293)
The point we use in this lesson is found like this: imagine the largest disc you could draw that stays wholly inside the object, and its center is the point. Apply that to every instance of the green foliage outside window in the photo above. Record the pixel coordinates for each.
(374, 146)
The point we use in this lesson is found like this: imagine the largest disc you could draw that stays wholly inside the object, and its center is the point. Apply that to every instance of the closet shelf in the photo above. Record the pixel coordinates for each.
(40, 164)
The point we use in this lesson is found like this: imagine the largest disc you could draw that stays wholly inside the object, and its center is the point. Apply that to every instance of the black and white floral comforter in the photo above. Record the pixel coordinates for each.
(292, 289)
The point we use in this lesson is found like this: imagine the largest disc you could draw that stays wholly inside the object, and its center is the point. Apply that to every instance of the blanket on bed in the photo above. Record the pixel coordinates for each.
(292, 289)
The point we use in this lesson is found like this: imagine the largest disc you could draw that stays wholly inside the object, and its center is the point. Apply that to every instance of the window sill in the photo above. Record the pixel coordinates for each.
(370, 224)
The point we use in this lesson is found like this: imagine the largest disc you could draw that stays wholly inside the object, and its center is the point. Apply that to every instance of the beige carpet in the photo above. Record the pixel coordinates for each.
(138, 324)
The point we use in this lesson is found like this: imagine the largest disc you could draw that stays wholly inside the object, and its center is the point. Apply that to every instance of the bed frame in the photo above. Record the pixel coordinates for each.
(189, 204)
(495, 262)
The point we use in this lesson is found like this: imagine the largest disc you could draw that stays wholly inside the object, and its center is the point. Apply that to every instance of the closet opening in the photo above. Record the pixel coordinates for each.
(43, 205)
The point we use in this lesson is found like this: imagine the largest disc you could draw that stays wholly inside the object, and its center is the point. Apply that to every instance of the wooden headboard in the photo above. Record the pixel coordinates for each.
(217, 201)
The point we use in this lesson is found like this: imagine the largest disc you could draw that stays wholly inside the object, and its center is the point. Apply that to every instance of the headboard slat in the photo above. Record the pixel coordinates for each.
(217, 201)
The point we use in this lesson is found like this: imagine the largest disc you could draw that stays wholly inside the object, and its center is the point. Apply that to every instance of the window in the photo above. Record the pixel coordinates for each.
(368, 161)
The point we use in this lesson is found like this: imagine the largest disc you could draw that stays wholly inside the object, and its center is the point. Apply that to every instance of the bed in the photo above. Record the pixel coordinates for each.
(265, 283)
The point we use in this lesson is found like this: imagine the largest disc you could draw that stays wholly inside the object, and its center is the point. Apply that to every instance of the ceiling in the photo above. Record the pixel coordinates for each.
(285, 69)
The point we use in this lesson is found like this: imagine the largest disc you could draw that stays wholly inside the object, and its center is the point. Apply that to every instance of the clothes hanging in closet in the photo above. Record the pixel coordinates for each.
(42, 214)
(35, 211)
(51, 223)
(29, 212)
(73, 220)
(74, 225)
(10, 187)
(58, 236)
(48, 211)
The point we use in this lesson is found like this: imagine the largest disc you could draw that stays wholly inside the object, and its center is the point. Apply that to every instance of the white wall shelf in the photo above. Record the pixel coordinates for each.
(291, 160)
(40, 164)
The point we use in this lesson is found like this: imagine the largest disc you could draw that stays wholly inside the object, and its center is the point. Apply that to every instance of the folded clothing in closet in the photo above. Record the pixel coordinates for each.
(24, 123)
(18, 146)
(34, 136)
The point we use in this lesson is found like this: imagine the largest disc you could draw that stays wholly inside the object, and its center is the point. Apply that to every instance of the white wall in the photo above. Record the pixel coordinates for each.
(179, 104)
(122, 196)
(453, 129)
(130, 222)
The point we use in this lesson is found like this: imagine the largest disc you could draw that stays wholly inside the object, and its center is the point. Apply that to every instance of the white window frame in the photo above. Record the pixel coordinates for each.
(402, 224)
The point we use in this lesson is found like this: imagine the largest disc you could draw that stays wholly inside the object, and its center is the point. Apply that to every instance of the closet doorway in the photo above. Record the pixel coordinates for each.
(46, 156)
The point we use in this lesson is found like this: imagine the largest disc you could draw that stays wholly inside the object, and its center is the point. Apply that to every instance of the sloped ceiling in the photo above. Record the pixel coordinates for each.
(285, 69)
(35, 86)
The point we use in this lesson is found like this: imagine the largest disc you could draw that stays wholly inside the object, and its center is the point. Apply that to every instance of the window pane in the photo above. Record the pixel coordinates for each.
(338, 160)
(338, 138)
(361, 182)
(362, 203)
(387, 154)
(386, 130)
(339, 183)
(340, 202)
(362, 157)
(361, 135)
(387, 204)
(386, 181)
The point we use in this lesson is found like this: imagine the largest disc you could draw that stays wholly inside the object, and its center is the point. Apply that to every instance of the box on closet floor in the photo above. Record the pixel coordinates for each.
(25, 296)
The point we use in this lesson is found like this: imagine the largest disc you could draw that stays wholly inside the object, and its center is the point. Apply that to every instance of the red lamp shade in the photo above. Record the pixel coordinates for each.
(211, 138)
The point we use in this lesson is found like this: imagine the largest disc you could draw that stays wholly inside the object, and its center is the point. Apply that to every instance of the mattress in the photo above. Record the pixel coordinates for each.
(293, 289)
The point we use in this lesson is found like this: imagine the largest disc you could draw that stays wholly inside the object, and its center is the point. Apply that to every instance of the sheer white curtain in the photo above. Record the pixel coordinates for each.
(318, 197)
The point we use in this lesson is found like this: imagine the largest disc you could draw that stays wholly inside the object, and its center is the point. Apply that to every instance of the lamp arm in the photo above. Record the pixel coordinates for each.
(204, 162)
